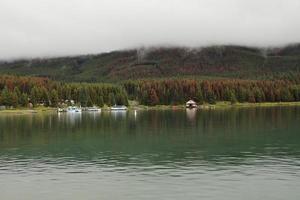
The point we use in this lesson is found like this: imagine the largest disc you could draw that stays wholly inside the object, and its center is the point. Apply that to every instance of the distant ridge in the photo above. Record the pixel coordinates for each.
(161, 62)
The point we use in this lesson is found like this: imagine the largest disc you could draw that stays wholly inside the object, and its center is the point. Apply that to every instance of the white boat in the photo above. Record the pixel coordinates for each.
(93, 109)
(73, 109)
(118, 108)
(60, 110)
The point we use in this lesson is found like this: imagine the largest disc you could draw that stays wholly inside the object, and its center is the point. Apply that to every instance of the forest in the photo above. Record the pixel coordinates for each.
(19, 91)
(178, 91)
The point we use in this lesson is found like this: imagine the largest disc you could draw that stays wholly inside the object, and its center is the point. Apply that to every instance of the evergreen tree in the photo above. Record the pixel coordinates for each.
(232, 98)
(227, 94)
(251, 98)
(100, 101)
(259, 95)
(143, 98)
(199, 96)
(54, 98)
(241, 94)
(45, 96)
(19, 95)
(89, 102)
(286, 95)
(6, 97)
(153, 98)
(34, 96)
(14, 99)
(111, 99)
(84, 97)
(23, 101)
(211, 98)
(296, 93)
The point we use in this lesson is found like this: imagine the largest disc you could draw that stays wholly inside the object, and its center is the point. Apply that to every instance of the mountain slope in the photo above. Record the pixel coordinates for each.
(217, 61)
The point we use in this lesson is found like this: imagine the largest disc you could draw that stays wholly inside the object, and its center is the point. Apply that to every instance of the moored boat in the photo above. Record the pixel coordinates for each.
(118, 108)
(61, 110)
(93, 109)
(73, 109)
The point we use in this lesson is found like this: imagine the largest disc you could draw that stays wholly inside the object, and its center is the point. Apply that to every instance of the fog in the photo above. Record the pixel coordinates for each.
(39, 28)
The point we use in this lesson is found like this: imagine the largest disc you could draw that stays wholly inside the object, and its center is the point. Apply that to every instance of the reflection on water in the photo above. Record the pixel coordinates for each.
(69, 118)
(214, 154)
(191, 114)
(118, 114)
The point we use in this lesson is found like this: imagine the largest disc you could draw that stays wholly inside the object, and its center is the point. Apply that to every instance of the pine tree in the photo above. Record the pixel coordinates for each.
(18, 94)
(111, 99)
(5, 96)
(232, 98)
(286, 95)
(251, 98)
(54, 98)
(100, 101)
(153, 98)
(34, 96)
(23, 101)
(45, 96)
(14, 99)
(82, 96)
(89, 102)
(199, 96)
(296, 93)
(211, 98)
(227, 94)
(259, 95)
(241, 94)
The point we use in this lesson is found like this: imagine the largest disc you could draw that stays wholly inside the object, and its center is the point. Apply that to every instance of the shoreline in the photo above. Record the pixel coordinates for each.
(22, 111)
(218, 105)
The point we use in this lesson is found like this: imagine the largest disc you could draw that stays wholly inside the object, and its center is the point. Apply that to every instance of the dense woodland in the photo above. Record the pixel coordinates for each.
(177, 91)
(20, 91)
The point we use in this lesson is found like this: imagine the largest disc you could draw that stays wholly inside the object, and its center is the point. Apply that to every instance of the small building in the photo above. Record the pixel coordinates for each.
(30, 105)
(191, 104)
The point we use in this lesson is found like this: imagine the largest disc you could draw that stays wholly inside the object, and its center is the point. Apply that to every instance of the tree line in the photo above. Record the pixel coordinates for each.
(178, 91)
(21, 91)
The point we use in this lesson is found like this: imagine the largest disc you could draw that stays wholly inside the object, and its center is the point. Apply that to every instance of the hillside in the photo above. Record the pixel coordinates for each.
(216, 61)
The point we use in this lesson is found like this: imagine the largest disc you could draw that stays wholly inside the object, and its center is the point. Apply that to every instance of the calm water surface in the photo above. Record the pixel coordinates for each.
(231, 154)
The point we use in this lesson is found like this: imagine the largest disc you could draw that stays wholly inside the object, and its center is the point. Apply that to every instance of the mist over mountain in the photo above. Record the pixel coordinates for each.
(54, 28)
(165, 62)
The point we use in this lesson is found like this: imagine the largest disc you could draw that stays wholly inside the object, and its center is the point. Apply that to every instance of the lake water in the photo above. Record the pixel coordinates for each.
(229, 154)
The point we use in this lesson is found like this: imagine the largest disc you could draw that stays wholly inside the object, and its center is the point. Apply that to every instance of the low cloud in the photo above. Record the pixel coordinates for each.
(39, 28)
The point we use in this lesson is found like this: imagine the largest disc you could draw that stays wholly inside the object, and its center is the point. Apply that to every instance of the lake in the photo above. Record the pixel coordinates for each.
(234, 154)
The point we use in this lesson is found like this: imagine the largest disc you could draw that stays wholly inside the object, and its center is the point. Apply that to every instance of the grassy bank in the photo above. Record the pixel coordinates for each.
(22, 111)
(135, 106)
(265, 104)
(218, 105)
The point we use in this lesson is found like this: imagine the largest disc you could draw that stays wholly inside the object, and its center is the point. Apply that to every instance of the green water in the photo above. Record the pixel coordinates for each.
(231, 154)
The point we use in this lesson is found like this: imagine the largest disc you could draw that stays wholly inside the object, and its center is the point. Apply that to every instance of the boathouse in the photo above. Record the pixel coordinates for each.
(191, 104)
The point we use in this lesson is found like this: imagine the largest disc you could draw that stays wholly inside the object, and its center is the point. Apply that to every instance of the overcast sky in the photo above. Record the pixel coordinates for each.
(37, 28)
